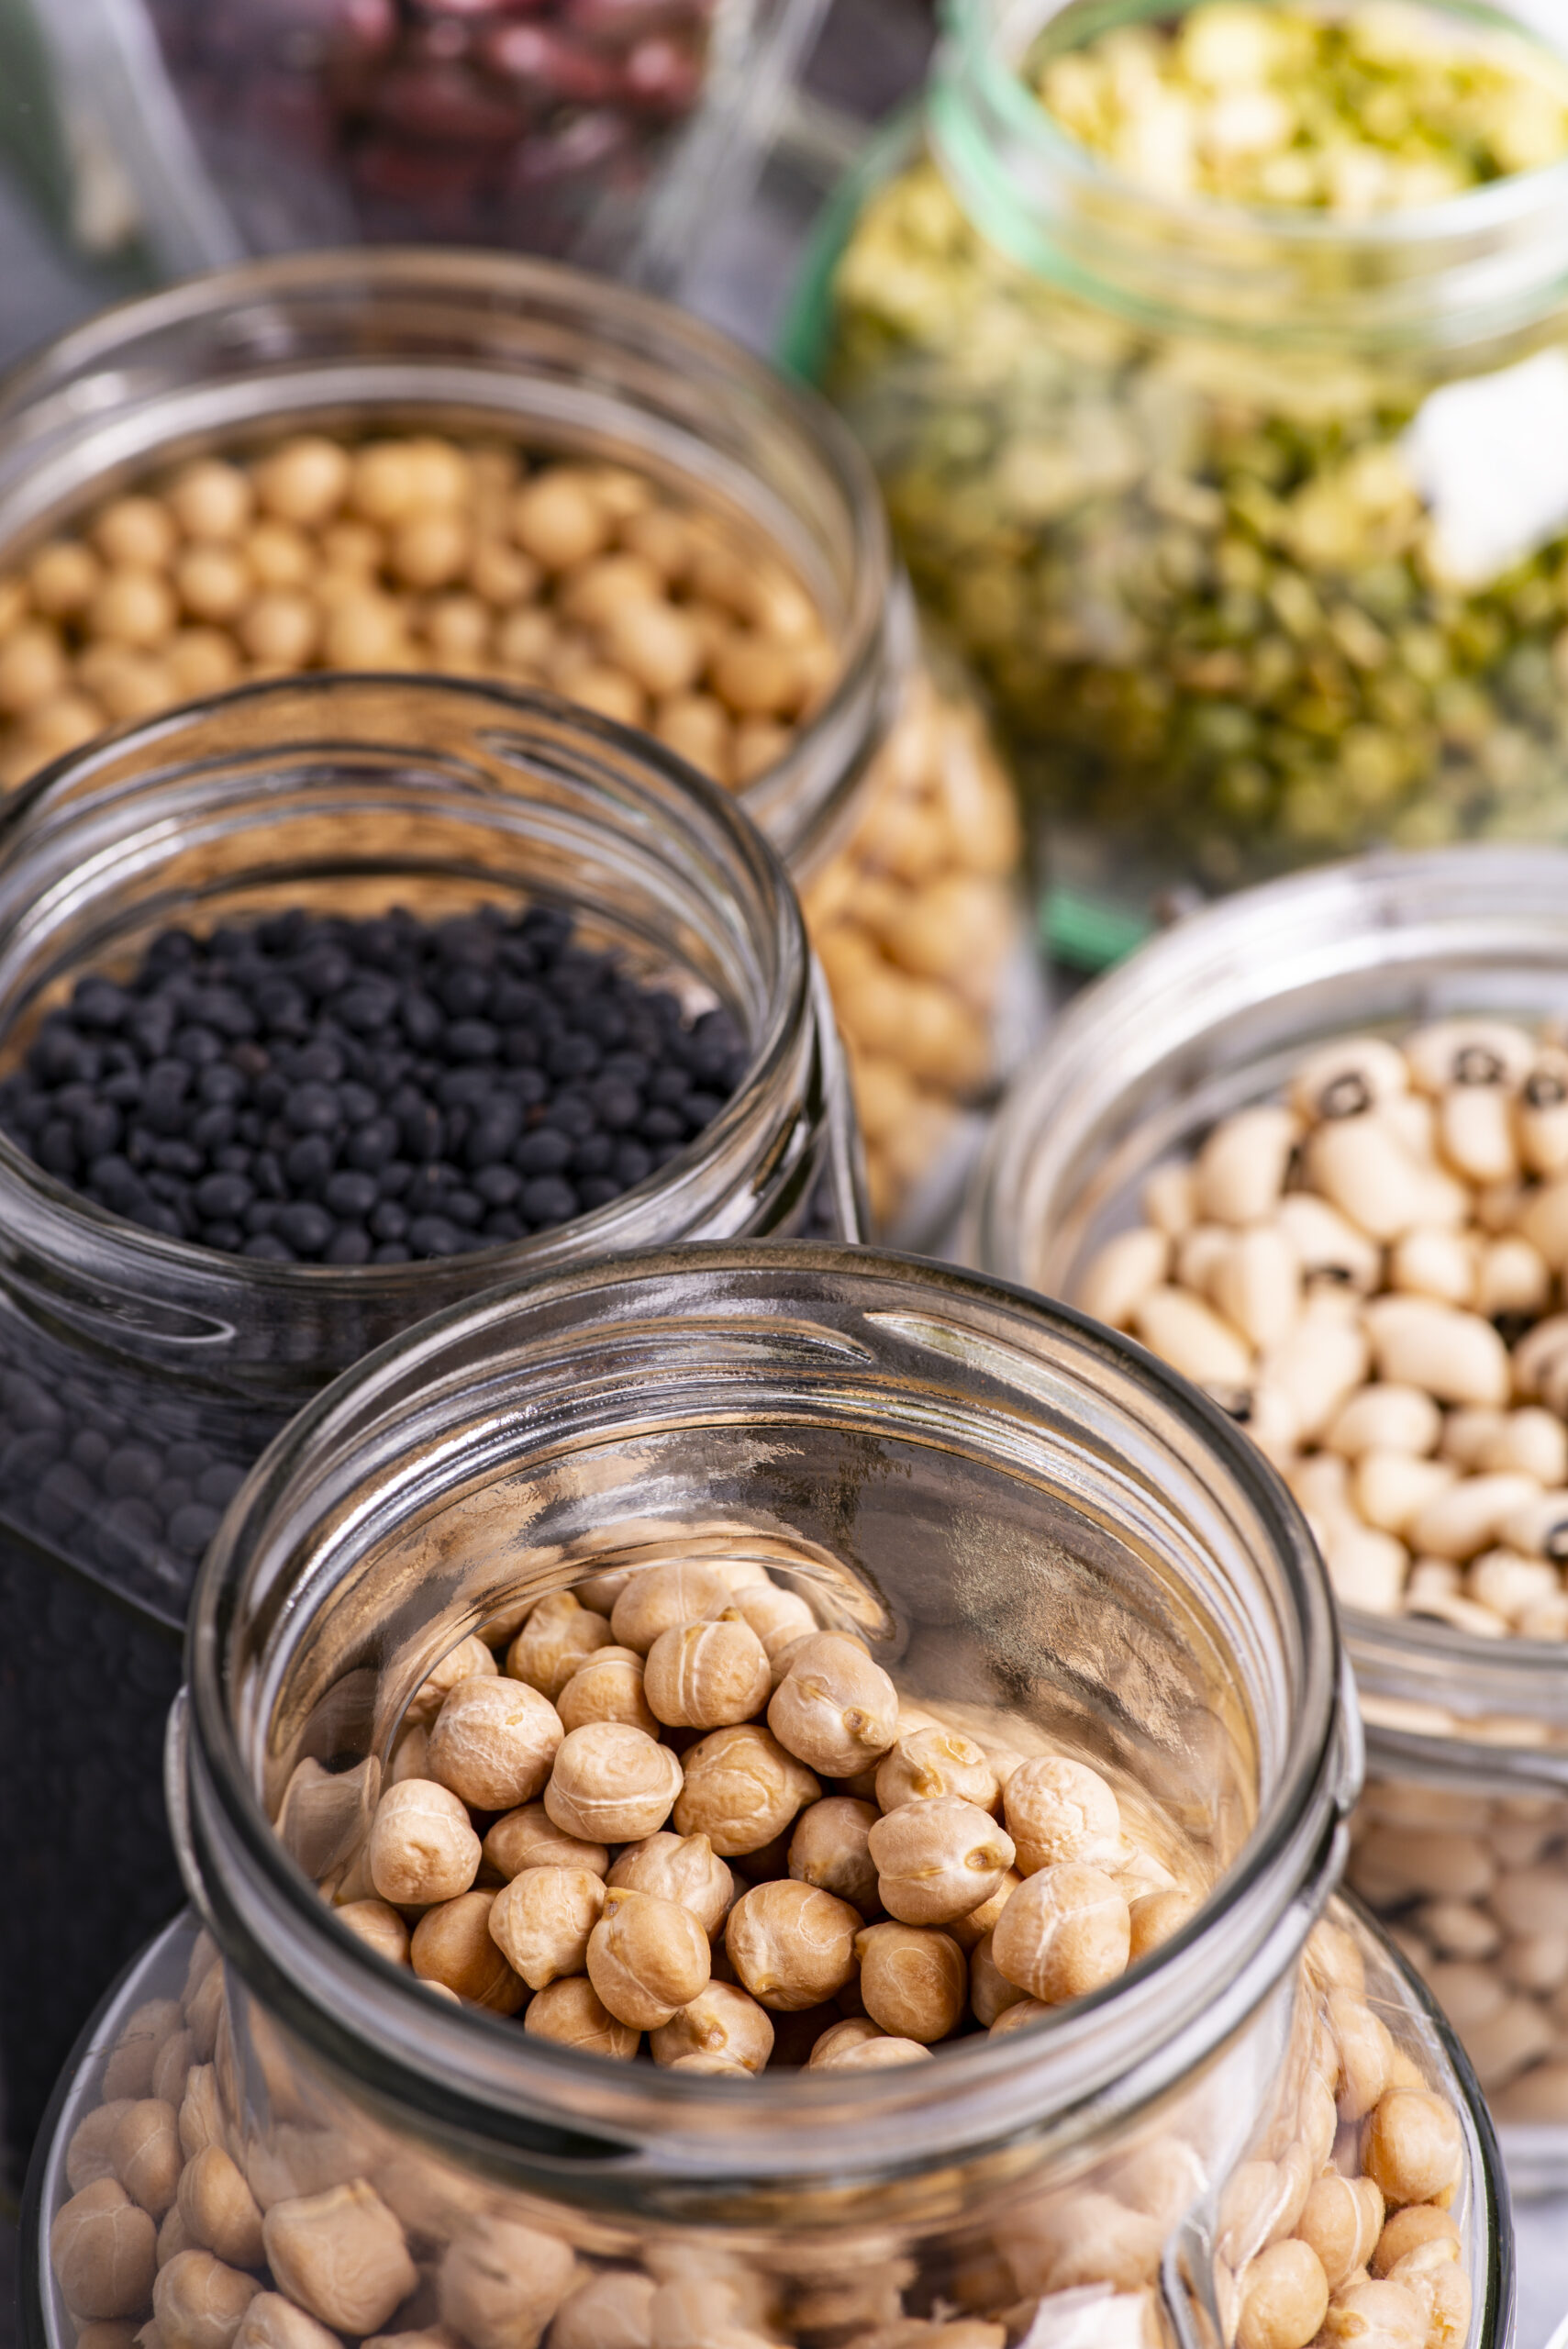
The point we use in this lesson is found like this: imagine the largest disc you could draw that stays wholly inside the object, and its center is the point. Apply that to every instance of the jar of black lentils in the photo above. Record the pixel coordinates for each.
(320, 1006)
(502, 469)
(1213, 361)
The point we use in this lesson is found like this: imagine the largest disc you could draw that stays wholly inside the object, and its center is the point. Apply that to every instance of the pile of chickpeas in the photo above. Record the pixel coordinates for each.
(667, 1813)
(423, 553)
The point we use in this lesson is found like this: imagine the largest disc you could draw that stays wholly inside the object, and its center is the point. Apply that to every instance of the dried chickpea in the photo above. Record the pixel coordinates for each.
(213, 583)
(834, 1709)
(559, 520)
(134, 2058)
(200, 2121)
(720, 2021)
(1407, 2231)
(778, 1617)
(1057, 1809)
(379, 1926)
(829, 1848)
(147, 2153)
(990, 1992)
(422, 1847)
(855, 2031)
(937, 1860)
(91, 2152)
(340, 2255)
(678, 1867)
(613, 1782)
(542, 1918)
(469, 1660)
(199, 2302)
(1065, 1931)
(608, 1687)
(201, 660)
(452, 1944)
(131, 606)
(103, 2249)
(792, 1945)
(134, 533)
(572, 2013)
(931, 1761)
(279, 628)
(273, 2323)
(530, 1838)
(876, 2055)
(218, 2208)
(1412, 2148)
(660, 1598)
(914, 1980)
(741, 1790)
(211, 500)
(64, 579)
(1155, 1916)
(559, 1635)
(500, 2283)
(707, 1675)
(365, 631)
(305, 481)
(1284, 2297)
(430, 548)
(33, 668)
(969, 1932)
(646, 1957)
(502, 574)
(1342, 2222)
(609, 2311)
(494, 1742)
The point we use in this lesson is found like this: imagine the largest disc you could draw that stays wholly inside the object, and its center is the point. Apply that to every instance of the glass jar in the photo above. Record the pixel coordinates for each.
(1467, 1736)
(1016, 1512)
(323, 793)
(887, 805)
(612, 136)
(1249, 519)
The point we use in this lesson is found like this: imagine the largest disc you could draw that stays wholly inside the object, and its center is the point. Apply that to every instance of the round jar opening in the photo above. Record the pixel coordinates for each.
(1017, 1515)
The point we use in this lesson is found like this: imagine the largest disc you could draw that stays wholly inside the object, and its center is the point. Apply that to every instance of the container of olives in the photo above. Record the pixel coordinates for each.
(1210, 1155)
(904, 1922)
(1212, 359)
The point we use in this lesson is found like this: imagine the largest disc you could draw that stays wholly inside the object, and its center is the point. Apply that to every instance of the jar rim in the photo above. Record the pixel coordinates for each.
(1448, 270)
(1391, 907)
(76, 811)
(51, 397)
(480, 2076)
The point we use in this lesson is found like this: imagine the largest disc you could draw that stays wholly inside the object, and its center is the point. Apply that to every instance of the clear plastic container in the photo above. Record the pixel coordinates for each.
(1467, 1736)
(604, 134)
(319, 794)
(888, 803)
(1018, 1513)
(1247, 518)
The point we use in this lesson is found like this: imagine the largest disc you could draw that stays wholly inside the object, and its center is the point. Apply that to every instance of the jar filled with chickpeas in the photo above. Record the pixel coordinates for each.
(321, 1007)
(494, 468)
(768, 1795)
(1213, 358)
(1310, 1149)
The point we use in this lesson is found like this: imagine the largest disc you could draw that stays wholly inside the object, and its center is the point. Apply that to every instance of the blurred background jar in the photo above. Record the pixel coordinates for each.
(1461, 1842)
(140, 1374)
(1080, 1551)
(1215, 375)
(384, 424)
(608, 132)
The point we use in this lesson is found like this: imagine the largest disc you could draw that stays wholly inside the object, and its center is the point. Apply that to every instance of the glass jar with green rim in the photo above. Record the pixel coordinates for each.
(1213, 363)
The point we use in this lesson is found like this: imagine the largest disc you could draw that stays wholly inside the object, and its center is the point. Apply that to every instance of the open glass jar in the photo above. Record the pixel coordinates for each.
(1027, 1522)
(878, 789)
(1459, 1840)
(1248, 516)
(142, 1375)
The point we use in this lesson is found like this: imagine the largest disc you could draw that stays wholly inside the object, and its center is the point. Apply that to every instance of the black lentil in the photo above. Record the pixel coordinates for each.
(318, 1090)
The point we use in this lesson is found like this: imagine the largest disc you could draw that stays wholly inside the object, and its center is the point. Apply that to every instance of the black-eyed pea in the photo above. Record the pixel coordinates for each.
(1471, 1994)
(1348, 1077)
(1064, 1932)
(103, 2249)
(1193, 1338)
(1198, 1253)
(1458, 1930)
(1437, 1264)
(1472, 1516)
(1412, 2146)
(1256, 1284)
(1477, 1054)
(1329, 1248)
(1320, 1362)
(1537, 1525)
(1282, 2298)
(422, 1848)
(1541, 1114)
(1529, 1441)
(1341, 2222)
(1542, 1219)
(682, 1868)
(1362, 1166)
(1511, 1585)
(560, 1634)
(1123, 1272)
(1240, 1171)
(1537, 2097)
(791, 1946)
(1169, 1200)
(1531, 1900)
(1385, 1418)
(1536, 1963)
(609, 2311)
(608, 1687)
(1367, 1569)
(722, 2020)
(1390, 1489)
(1057, 1809)
(199, 2302)
(218, 2210)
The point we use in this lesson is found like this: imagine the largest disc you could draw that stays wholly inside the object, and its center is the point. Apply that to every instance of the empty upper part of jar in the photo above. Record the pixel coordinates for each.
(1025, 1523)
